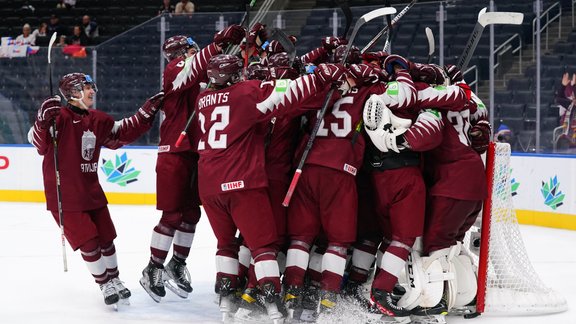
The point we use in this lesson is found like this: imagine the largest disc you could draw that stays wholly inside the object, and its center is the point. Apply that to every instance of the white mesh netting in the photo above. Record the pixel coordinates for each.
(512, 285)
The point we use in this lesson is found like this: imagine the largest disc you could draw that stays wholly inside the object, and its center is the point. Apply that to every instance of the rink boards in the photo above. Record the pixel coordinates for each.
(543, 186)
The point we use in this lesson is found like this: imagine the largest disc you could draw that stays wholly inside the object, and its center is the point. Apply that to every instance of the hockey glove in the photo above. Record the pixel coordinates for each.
(331, 73)
(330, 43)
(151, 106)
(257, 35)
(454, 73)
(48, 111)
(480, 136)
(230, 35)
(364, 74)
(391, 61)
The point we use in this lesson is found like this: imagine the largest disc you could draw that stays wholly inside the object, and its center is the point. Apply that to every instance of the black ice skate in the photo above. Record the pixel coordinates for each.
(177, 277)
(251, 309)
(152, 282)
(122, 291)
(383, 301)
(109, 292)
(301, 304)
(430, 315)
(272, 303)
(227, 299)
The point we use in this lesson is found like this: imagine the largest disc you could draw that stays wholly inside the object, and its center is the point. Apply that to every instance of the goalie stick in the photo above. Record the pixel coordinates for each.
(388, 42)
(56, 168)
(364, 19)
(484, 19)
(385, 29)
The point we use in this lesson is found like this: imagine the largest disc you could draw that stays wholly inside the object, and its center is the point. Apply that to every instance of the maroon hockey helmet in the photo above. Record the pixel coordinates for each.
(177, 46)
(353, 56)
(224, 69)
(257, 71)
(75, 82)
(282, 59)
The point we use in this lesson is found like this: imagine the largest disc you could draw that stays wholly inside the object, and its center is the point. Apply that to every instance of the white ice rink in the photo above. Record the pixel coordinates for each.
(34, 288)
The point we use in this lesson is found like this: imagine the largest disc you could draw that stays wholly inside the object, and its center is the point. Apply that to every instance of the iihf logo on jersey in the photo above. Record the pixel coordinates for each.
(553, 197)
(120, 172)
(88, 145)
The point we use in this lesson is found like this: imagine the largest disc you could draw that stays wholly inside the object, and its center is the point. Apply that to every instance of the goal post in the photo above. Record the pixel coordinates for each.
(507, 281)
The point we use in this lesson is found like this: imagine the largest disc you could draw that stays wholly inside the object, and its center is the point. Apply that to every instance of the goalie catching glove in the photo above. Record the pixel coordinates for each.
(383, 127)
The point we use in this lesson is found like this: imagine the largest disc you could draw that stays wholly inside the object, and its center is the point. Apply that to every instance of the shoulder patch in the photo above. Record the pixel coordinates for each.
(433, 112)
(392, 88)
(281, 85)
(440, 87)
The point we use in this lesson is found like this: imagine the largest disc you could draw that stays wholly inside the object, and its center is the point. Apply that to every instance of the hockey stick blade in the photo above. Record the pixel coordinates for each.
(506, 18)
(431, 44)
(50, 44)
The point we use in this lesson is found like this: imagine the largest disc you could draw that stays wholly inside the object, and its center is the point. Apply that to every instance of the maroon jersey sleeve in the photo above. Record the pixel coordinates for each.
(441, 97)
(426, 133)
(400, 94)
(182, 74)
(126, 131)
(315, 56)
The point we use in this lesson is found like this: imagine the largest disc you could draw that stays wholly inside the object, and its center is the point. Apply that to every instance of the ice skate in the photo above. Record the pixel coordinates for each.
(152, 282)
(122, 291)
(227, 300)
(272, 303)
(250, 310)
(383, 301)
(177, 277)
(301, 304)
(109, 292)
(356, 293)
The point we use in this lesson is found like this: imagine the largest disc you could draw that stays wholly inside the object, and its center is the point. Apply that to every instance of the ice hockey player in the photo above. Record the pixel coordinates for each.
(80, 134)
(232, 176)
(176, 167)
(326, 198)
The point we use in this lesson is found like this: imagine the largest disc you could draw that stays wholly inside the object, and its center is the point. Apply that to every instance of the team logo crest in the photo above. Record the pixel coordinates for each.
(88, 145)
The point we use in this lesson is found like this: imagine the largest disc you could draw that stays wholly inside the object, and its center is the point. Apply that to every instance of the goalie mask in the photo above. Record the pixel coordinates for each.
(178, 46)
(224, 70)
(71, 85)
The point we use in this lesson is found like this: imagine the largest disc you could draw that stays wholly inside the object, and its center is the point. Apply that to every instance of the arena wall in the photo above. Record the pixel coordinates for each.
(543, 186)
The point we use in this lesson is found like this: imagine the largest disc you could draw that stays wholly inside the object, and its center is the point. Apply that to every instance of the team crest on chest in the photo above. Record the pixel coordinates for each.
(88, 145)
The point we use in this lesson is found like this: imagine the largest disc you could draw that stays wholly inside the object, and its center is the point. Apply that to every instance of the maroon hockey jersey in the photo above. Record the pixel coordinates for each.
(80, 136)
(181, 86)
(333, 147)
(231, 146)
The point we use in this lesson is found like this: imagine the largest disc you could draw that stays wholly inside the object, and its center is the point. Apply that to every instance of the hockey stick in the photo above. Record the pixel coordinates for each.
(394, 22)
(284, 40)
(364, 19)
(431, 44)
(56, 168)
(387, 44)
(189, 121)
(484, 19)
(345, 6)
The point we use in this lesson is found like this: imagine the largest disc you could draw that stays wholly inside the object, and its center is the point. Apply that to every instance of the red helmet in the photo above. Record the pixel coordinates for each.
(177, 46)
(224, 69)
(75, 82)
(353, 55)
(379, 56)
(282, 60)
(257, 71)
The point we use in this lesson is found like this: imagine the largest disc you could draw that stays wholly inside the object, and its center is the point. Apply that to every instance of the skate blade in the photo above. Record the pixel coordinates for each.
(155, 297)
(171, 285)
(394, 320)
(245, 316)
(430, 319)
(124, 301)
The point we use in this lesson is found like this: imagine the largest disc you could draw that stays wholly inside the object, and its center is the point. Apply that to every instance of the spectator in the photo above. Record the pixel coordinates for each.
(184, 7)
(78, 37)
(56, 26)
(90, 28)
(503, 135)
(565, 98)
(61, 41)
(68, 4)
(166, 8)
(41, 35)
(26, 38)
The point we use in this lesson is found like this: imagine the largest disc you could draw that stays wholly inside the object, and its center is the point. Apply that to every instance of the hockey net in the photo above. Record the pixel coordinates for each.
(507, 282)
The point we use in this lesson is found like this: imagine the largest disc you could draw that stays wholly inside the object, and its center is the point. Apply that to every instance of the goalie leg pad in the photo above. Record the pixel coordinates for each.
(466, 279)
